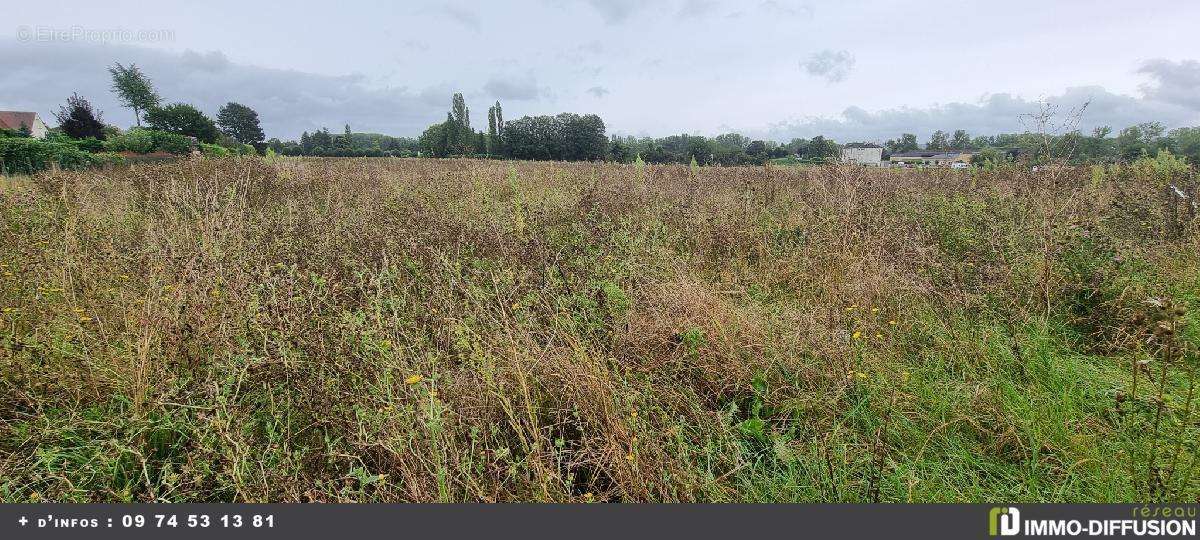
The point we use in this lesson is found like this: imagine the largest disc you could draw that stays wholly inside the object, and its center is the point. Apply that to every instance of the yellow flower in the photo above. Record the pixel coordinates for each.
(85, 319)
(892, 322)
(433, 393)
(857, 334)
(633, 414)
(413, 379)
(874, 310)
(588, 496)
(878, 336)
(9, 309)
(629, 457)
(861, 375)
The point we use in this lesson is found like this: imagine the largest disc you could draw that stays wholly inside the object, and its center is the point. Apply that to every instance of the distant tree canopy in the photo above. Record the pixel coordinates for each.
(134, 89)
(240, 123)
(566, 137)
(938, 141)
(454, 137)
(183, 119)
(78, 120)
(906, 143)
(575, 137)
(324, 143)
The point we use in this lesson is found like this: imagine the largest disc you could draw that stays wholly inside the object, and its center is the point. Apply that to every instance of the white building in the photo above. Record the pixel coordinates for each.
(15, 119)
(870, 155)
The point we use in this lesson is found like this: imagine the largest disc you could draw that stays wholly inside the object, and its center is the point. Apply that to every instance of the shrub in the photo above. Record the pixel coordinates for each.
(27, 156)
(90, 144)
(144, 141)
(138, 141)
(173, 143)
(213, 150)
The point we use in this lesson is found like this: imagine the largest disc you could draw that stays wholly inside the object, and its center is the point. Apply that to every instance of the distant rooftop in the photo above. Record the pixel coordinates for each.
(931, 153)
(14, 119)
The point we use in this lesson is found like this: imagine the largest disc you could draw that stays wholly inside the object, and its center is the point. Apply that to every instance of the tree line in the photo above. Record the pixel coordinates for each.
(565, 136)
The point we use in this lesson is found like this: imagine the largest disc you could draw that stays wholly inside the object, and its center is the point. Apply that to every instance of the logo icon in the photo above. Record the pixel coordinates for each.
(1004, 521)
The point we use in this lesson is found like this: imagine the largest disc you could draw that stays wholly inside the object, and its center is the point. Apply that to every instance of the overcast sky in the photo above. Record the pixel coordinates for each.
(866, 70)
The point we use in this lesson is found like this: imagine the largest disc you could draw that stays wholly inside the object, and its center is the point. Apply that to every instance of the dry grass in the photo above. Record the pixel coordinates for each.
(454, 330)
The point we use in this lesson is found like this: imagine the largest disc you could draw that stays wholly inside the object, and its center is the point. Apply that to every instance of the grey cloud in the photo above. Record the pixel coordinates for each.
(598, 91)
(459, 15)
(831, 65)
(1174, 82)
(213, 61)
(40, 76)
(517, 88)
(593, 47)
(995, 113)
(788, 9)
(695, 9)
(615, 11)
(415, 44)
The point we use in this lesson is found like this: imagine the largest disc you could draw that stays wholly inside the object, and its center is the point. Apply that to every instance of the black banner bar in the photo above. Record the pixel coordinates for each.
(531, 521)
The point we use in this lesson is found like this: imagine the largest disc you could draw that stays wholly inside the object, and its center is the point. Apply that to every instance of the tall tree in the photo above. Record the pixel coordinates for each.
(960, 140)
(321, 140)
(906, 143)
(499, 121)
(496, 117)
(492, 139)
(134, 89)
(240, 123)
(938, 141)
(183, 119)
(78, 120)
(458, 110)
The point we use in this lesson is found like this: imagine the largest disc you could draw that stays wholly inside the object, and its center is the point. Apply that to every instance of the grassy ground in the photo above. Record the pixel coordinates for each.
(451, 330)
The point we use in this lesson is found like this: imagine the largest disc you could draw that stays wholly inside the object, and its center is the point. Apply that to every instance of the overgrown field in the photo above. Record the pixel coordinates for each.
(452, 330)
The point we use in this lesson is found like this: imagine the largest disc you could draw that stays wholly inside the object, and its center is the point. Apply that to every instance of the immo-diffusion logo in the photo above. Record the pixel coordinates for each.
(1004, 521)
(1147, 521)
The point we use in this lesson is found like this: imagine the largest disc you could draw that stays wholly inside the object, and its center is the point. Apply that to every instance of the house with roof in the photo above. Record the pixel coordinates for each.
(868, 154)
(935, 158)
(15, 119)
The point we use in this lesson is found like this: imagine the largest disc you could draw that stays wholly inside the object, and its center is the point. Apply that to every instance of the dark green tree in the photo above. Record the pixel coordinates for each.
(619, 151)
(240, 123)
(321, 141)
(183, 119)
(960, 140)
(938, 141)
(459, 111)
(906, 143)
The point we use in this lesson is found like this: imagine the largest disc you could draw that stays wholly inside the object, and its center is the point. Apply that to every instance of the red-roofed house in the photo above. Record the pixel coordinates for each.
(15, 119)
